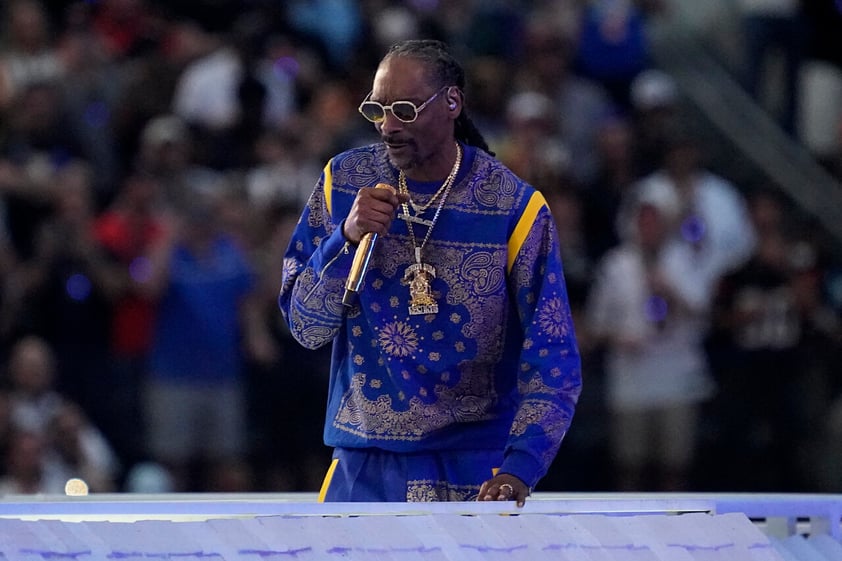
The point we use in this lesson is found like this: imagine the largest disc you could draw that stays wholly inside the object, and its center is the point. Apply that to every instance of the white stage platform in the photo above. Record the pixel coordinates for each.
(609, 527)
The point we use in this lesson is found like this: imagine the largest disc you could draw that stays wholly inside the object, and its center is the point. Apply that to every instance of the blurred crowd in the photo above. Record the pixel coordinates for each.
(155, 155)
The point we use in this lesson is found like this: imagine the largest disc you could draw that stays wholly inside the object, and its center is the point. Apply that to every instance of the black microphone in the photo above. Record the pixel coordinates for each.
(361, 260)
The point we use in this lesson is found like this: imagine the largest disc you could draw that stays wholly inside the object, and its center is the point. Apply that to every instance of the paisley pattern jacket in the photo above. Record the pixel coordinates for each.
(497, 367)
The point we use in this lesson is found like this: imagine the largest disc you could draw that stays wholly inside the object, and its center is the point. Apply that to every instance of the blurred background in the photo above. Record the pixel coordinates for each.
(155, 155)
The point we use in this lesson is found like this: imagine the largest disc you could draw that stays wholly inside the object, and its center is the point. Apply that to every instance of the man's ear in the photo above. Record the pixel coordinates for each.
(454, 96)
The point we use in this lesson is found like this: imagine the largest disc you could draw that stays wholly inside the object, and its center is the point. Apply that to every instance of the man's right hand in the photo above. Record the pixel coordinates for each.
(373, 211)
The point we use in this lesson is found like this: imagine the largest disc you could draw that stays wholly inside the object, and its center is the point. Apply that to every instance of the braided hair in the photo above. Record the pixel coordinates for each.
(447, 71)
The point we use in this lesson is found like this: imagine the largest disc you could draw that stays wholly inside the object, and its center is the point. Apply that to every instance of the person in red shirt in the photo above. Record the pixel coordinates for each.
(127, 230)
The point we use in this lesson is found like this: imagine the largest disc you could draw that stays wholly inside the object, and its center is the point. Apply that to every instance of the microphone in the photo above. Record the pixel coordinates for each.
(359, 267)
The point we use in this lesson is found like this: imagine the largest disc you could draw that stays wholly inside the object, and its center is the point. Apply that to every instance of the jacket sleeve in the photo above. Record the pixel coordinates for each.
(315, 267)
(549, 370)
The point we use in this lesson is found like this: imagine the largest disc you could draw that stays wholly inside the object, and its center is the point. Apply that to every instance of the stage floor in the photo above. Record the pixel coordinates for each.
(611, 526)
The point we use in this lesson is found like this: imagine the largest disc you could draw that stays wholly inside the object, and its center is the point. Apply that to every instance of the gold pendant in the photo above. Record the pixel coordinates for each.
(416, 219)
(421, 302)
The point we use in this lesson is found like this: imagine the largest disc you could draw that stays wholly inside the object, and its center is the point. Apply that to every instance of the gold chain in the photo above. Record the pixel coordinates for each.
(444, 189)
(402, 186)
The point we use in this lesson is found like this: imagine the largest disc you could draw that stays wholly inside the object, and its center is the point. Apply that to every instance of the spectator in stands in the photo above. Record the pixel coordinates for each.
(78, 450)
(336, 26)
(194, 397)
(146, 85)
(24, 472)
(31, 370)
(121, 28)
(613, 45)
(37, 143)
(89, 98)
(649, 308)
(769, 326)
(167, 152)
(713, 216)
(820, 350)
(52, 439)
(278, 176)
(33, 467)
(127, 230)
(578, 103)
(655, 114)
(532, 146)
(69, 288)
(231, 91)
(329, 123)
(29, 56)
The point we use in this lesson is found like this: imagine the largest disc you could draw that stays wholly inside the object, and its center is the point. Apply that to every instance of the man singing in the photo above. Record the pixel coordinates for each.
(455, 371)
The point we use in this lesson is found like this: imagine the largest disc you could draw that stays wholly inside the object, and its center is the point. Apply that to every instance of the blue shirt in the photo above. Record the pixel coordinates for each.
(197, 335)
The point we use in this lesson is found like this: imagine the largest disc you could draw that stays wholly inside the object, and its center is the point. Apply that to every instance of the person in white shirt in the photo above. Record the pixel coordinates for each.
(648, 309)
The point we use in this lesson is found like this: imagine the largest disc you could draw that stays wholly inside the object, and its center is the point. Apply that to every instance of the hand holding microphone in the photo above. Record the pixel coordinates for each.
(370, 216)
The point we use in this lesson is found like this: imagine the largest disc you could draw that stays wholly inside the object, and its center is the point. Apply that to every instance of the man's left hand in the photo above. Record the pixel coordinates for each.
(504, 487)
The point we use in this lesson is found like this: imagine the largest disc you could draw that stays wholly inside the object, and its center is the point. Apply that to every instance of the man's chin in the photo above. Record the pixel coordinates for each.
(400, 156)
(403, 164)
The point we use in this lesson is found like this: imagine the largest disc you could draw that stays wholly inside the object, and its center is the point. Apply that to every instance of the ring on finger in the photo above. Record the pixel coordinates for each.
(508, 488)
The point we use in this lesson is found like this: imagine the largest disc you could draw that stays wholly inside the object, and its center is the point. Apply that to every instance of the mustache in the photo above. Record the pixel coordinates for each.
(394, 139)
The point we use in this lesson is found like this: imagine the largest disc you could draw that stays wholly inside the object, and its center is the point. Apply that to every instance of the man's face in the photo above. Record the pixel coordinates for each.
(420, 148)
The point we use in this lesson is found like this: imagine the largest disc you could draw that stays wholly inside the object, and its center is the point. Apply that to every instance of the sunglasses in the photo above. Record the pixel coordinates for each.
(404, 111)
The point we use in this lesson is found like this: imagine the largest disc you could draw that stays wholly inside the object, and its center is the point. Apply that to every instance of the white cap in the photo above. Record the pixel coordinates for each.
(653, 88)
(659, 193)
(528, 106)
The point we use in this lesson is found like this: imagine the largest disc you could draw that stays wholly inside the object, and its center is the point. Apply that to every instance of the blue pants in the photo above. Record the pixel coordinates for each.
(374, 475)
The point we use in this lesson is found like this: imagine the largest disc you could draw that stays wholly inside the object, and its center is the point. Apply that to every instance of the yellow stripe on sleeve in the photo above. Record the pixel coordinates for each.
(327, 480)
(328, 186)
(535, 204)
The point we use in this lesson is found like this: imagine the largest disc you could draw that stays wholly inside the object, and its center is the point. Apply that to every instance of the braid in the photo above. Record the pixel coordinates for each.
(446, 72)
(467, 132)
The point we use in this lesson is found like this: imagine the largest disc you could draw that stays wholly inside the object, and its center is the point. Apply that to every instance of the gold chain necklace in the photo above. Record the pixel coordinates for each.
(447, 182)
(419, 275)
